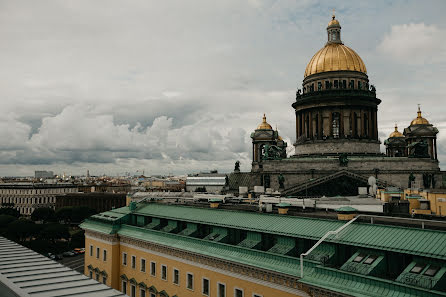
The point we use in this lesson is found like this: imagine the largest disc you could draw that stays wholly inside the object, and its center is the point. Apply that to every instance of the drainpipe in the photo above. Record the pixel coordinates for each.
(320, 241)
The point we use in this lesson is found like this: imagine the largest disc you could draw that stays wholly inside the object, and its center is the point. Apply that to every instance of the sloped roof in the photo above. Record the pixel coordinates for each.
(27, 273)
(423, 242)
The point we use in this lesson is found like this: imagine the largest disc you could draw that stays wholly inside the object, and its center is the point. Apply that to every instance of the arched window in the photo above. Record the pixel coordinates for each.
(335, 124)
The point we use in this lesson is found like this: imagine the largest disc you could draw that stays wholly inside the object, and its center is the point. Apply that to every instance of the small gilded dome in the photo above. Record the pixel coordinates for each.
(419, 120)
(396, 133)
(264, 125)
(333, 22)
(335, 57)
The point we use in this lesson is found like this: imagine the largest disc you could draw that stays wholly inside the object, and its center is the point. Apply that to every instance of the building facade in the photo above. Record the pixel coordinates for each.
(26, 197)
(154, 249)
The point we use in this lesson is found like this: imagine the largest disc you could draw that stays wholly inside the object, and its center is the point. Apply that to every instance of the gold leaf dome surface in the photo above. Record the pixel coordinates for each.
(419, 120)
(396, 133)
(264, 125)
(335, 57)
(333, 22)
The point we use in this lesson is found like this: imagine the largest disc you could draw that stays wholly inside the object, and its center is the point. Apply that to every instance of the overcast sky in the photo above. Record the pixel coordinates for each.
(177, 86)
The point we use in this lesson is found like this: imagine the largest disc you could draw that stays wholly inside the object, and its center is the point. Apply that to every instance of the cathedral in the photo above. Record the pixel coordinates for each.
(337, 146)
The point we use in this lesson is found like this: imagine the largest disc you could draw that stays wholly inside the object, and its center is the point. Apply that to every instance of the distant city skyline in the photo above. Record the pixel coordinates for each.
(175, 87)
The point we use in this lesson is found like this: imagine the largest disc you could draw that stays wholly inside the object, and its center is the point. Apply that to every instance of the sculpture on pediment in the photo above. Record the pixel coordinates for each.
(272, 152)
(343, 160)
(237, 166)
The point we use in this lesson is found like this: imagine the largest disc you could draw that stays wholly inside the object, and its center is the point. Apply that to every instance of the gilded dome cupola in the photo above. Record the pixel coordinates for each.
(335, 56)
(419, 120)
(264, 124)
(396, 133)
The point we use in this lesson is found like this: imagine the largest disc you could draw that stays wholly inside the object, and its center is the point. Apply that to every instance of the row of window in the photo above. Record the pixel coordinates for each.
(205, 282)
(38, 191)
(28, 200)
(337, 84)
(104, 277)
(98, 253)
(221, 290)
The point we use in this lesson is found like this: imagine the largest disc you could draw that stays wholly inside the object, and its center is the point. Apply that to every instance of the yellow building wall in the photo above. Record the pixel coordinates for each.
(110, 265)
(437, 201)
(115, 269)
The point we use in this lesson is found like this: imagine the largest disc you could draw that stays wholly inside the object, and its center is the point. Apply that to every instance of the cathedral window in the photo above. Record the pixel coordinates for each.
(359, 85)
(327, 84)
(366, 125)
(336, 84)
(319, 86)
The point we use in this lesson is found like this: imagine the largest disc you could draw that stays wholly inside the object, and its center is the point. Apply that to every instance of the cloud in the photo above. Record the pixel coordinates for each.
(415, 44)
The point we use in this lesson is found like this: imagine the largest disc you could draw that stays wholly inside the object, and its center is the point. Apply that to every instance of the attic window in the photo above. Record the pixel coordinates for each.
(359, 258)
(418, 268)
(370, 259)
(432, 270)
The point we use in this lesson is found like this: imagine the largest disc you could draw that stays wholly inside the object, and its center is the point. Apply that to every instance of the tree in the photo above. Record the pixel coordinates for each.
(43, 214)
(10, 211)
(21, 230)
(64, 214)
(6, 219)
(81, 213)
(78, 239)
(54, 232)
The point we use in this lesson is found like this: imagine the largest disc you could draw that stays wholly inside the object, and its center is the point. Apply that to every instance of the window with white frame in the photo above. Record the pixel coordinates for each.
(205, 286)
(104, 279)
(153, 268)
(124, 259)
(97, 276)
(256, 295)
(143, 265)
(221, 290)
(133, 262)
(97, 253)
(163, 272)
(91, 274)
(190, 281)
(142, 292)
(91, 251)
(238, 292)
(104, 255)
(176, 276)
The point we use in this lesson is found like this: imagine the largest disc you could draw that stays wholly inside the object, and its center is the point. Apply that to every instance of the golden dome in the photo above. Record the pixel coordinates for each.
(335, 57)
(264, 125)
(396, 133)
(419, 120)
(333, 22)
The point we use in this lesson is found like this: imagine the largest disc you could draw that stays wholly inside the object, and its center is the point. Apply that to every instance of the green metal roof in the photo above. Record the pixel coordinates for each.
(283, 204)
(428, 243)
(362, 286)
(280, 263)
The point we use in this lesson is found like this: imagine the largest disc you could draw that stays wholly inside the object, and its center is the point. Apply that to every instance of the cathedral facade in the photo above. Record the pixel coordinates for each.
(337, 146)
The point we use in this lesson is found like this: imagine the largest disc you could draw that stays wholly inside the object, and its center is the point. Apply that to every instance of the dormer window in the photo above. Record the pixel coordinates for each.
(431, 271)
(370, 259)
(359, 258)
(417, 268)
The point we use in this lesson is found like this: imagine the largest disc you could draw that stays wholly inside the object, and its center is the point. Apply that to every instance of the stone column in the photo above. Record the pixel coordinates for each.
(311, 125)
(375, 119)
(297, 126)
(330, 123)
(371, 127)
(341, 123)
(321, 124)
(435, 148)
